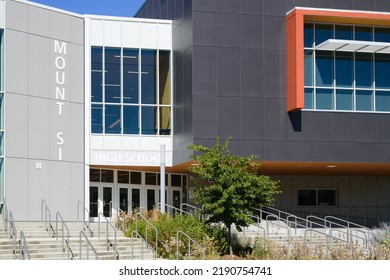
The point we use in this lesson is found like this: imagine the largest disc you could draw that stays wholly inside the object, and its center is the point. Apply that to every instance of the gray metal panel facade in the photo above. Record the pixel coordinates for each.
(35, 124)
(238, 79)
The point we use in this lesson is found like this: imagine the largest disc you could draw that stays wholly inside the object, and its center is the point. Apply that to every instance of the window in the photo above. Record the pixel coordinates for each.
(345, 80)
(107, 176)
(94, 175)
(135, 178)
(131, 91)
(123, 177)
(317, 197)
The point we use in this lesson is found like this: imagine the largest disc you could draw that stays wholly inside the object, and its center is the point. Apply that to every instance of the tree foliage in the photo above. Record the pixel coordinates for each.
(228, 186)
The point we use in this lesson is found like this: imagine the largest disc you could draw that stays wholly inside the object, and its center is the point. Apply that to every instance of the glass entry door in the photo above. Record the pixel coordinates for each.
(99, 201)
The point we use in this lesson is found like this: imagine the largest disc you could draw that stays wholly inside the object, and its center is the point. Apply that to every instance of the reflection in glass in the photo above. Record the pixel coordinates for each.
(363, 33)
(94, 175)
(149, 120)
(93, 201)
(148, 76)
(135, 178)
(382, 70)
(97, 74)
(123, 177)
(112, 119)
(165, 78)
(165, 120)
(107, 176)
(364, 100)
(130, 76)
(309, 35)
(307, 197)
(382, 101)
(363, 70)
(323, 32)
(112, 75)
(97, 118)
(130, 119)
(344, 69)
(324, 68)
(309, 98)
(344, 99)
(382, 34)
(343, 32)
(324, 99)
(309, 68)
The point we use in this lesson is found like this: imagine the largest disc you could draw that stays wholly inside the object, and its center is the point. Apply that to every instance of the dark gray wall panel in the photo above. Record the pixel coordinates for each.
(205, 70)
(275, 150)
(251, 31)
(252, 7)
(345, 4)
(298, 151)
(275, 121)
(344, 127)
(229, 117)
(383, 128)
(205, 28)
(252, 73)
(229, 6)
(366, 128)
(228, 71)
(274, 62)
(252, 118)
(274, 33)
(206, 123)
(205, 5)
(228, 30)
(254, 147)
(321, 126)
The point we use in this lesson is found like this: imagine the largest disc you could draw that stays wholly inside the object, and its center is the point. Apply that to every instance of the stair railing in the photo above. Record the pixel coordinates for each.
(108, 223)
(12, 232)
(256, 224)
(121, 214)
(5, 217)
(360, 228)
(24, 252)
(173, 208)
(189, 245)
(88, 245)
(86, 224)
(288, 229)
(64, 238)
(148, 224)
(134, 235)
(195, 210)
(45, 211)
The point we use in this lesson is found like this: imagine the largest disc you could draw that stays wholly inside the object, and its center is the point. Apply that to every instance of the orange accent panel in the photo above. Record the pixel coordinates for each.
(295, 63)
(295, 44)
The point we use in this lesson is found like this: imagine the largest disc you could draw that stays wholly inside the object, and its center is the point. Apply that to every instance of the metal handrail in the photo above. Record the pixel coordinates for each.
(196, 209)
(121, 213)
(89, 244)
(280, 225)
(189, 245)
(177, 209)
(45, 209)
(142, 247)
(148, 223)
(63, 240)
(86, 224)
(349, 224)
(109, 244)
(5, 217)
(13, 232)
(328, 237)
(255, 224)
(24, 251)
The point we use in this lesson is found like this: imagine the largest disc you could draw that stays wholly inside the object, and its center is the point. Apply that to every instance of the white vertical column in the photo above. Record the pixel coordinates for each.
(162, 178)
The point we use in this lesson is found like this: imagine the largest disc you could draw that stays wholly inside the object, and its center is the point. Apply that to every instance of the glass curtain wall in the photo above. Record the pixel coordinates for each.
(346, 81)
(131, 91)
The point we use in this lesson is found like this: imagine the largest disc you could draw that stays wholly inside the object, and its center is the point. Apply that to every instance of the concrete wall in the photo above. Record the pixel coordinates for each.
(44, 143)
(364, 199)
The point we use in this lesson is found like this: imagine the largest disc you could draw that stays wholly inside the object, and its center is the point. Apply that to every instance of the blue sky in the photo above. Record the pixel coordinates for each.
(98, 7)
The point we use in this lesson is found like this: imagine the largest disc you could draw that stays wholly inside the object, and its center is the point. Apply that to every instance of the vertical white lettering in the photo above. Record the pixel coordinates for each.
(62, 81)
(59, 48)
(60, 139)
(60, 105)
(60, 93)
(59, 153)
(60, 62)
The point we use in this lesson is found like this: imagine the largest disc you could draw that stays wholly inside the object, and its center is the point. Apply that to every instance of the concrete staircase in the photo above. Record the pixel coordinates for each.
(44, 245)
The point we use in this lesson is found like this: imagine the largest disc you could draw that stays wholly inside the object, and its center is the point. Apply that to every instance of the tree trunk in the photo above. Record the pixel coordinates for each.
(230, 240)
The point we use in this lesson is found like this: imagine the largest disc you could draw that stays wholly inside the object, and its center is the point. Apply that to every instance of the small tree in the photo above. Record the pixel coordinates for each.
(234, 187)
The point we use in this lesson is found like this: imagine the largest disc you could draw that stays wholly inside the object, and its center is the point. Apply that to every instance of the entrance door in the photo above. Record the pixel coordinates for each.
(107, 198)
(176, 200)
(93, 202)
(150, 199)
(124, 199)
(135, 199)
